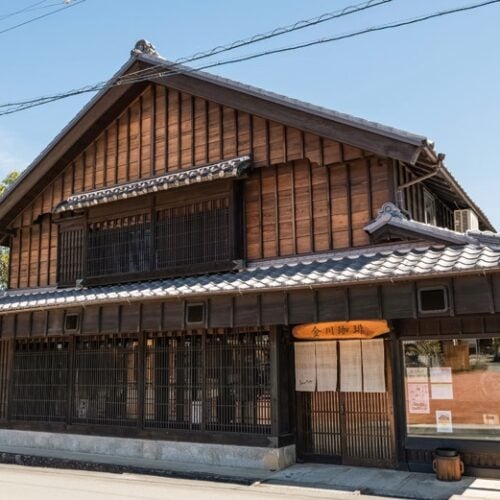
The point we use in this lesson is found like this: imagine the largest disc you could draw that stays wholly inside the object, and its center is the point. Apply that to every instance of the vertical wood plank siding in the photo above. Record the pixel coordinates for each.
(311, 194)
(413, 198)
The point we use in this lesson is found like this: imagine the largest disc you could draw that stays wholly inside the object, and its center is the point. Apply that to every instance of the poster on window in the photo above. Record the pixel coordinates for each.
(441, 375)
(326, 366)
(416, 375)
(305, 366)
(418, 398)
(442, 391)
(443, 421)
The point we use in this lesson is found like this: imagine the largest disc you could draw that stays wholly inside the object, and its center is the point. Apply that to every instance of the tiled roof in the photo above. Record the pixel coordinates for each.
(378, 264)
(391, 217)
(229, 168)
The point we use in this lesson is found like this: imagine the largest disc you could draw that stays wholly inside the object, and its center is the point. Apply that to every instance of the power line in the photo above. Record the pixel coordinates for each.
(21, 11)
(373, 29)
(32, 20)
(352, 9)
(168, 72)
(282, 30)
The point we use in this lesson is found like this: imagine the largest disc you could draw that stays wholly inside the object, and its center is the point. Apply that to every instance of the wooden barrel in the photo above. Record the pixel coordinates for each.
(449, 467)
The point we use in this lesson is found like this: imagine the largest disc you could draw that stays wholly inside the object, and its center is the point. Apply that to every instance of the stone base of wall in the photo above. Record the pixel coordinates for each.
(168, 451)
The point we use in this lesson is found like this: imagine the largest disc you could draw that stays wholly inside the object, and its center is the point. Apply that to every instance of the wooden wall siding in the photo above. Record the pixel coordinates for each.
(301, 207)
(164, 130)
(413, 198)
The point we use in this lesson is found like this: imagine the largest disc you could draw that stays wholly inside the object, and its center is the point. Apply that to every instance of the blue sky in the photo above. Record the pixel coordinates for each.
(440, 78)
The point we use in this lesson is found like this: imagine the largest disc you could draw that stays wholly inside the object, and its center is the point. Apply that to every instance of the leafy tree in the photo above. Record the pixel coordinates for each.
(4, 251)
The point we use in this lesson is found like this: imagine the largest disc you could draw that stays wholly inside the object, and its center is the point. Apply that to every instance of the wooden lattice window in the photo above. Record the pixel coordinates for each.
(164, 237)
(208, 382)
(119, 246)
(70, 253)
(40, 380)
(194, 234)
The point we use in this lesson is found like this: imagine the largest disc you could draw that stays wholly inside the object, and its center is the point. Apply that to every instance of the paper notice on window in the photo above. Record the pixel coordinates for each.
(373, 365)
(442, 391)
(305, 366)
(443, 421)
(351, 379)
(326, 366)
(416, 375)
(441, 375)
(418, 398)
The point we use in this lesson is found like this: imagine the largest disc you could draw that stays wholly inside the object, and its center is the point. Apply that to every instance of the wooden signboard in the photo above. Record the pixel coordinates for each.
(341, 330)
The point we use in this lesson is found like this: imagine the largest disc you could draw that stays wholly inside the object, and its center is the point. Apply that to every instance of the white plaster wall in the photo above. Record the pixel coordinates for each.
(171, 451)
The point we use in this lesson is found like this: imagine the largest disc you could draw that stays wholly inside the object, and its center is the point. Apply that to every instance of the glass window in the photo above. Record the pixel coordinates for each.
(452, 388)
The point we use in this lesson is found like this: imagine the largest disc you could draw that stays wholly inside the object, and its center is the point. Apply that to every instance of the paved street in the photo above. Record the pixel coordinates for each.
(27, 483)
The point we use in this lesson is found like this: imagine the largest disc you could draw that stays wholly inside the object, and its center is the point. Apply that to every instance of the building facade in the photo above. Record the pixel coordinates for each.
(221, 274)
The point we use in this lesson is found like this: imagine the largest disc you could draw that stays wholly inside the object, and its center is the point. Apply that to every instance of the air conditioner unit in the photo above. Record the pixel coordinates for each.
(465, 219)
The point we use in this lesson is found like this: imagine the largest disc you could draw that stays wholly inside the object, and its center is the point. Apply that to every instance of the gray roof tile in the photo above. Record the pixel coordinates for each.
(355, 266)
(228, 168)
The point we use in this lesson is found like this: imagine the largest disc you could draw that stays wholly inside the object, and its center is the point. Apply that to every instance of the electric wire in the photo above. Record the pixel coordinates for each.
(282, 30)
(42, 16)
(28, 8)
(168, 72)
(352, 9)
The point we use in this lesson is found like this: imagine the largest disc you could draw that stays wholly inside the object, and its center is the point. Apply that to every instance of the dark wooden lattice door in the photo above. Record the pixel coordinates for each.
(352, 428)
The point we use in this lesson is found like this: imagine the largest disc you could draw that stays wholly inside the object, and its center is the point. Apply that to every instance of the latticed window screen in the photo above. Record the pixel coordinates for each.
(4, 370)
(224, 386)
(70, 256)
(40, 380)
(193, 234)
(119, 246)
(200, 381)
(105, 381)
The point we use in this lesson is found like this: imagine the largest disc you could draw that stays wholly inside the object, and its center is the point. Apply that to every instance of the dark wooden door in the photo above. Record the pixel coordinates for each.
(352, 428)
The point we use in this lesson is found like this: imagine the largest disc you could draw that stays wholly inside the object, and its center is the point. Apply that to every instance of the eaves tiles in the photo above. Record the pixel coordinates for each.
(226, 169)
(379, 264)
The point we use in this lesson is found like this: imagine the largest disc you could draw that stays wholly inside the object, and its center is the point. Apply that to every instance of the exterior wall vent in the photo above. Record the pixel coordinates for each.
(71, 322)
(465, 219)
(195, 314)
(432, 300)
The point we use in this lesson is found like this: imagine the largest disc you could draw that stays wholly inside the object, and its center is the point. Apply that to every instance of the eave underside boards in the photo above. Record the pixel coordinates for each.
(300, 205)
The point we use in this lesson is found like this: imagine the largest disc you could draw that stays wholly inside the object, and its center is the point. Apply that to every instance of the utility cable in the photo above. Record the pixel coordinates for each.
(282, 30)
(186, 70)
(42, 16)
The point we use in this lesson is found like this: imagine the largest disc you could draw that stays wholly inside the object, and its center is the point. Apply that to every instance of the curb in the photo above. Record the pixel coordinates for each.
(71, 464)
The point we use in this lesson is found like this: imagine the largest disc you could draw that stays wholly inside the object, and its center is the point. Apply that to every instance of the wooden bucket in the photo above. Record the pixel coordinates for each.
(447, 465)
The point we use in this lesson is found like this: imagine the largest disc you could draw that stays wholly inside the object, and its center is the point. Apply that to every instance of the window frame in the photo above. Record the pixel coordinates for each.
(152, 204)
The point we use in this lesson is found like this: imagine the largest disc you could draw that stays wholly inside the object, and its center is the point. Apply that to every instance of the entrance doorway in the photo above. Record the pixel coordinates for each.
(344, 427)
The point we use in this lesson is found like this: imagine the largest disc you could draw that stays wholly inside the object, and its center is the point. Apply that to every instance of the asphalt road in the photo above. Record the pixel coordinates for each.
(29, 483)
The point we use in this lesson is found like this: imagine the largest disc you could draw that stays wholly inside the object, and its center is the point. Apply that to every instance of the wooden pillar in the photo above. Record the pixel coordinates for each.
(398, 396)
(141, 380)
(279, 353)
(10, 377)
(70, 380)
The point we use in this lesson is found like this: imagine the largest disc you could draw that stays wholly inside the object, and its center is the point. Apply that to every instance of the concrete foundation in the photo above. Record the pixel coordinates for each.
(170, 451)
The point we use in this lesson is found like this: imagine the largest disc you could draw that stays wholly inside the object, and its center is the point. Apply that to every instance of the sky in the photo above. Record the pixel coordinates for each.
(440, 78)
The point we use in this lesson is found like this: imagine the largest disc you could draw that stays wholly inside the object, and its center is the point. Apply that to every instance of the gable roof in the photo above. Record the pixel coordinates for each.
(106, 104)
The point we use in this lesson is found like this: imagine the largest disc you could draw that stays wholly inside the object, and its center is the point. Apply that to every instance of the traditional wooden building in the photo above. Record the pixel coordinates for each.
(219, 273)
